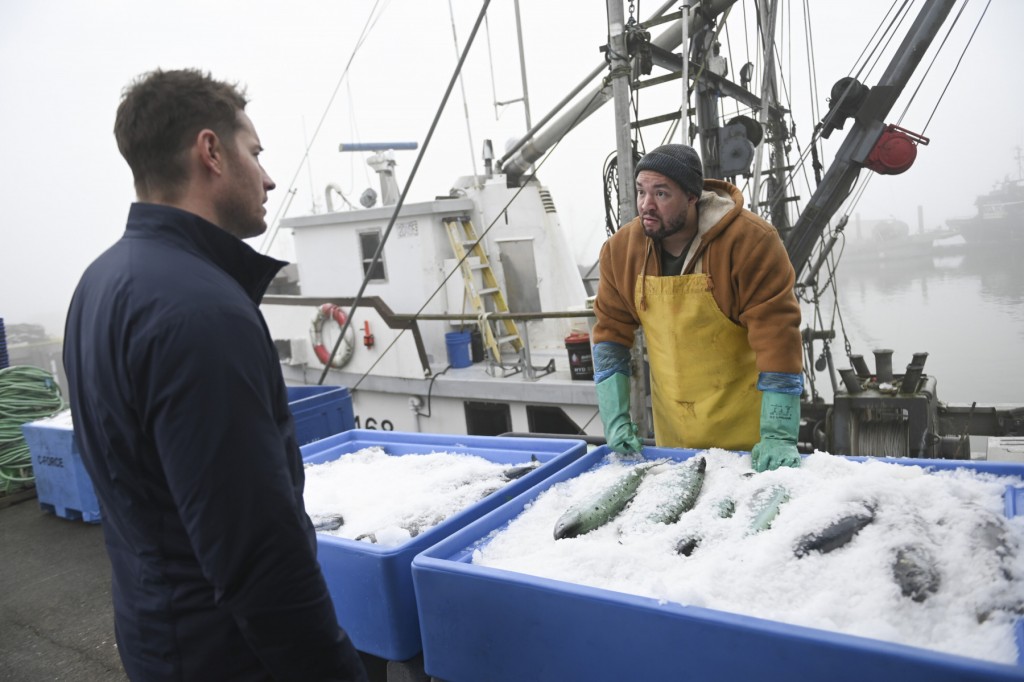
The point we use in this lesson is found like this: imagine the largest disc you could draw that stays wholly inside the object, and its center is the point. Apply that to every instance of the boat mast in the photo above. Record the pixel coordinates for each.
(621, 74)
(522, 67)
(868, 126)
(774, 127)
(518, 159)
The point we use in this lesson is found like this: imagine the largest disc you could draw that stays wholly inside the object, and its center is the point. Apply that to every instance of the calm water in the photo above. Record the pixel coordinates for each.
(966, 311)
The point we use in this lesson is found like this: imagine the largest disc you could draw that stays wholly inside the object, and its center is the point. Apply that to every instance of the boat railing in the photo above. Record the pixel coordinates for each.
(410, 322)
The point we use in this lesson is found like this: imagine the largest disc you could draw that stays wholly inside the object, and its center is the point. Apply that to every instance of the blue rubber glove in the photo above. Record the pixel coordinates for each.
(613, 403)
(780, 429)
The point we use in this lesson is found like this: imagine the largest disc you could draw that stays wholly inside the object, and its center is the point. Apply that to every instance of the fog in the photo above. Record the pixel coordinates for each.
(65, 190)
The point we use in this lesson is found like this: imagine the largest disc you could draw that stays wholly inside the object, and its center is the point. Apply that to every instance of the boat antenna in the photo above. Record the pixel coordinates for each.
(525, 98)
(465, 105)
(522, 66)
(405, 191)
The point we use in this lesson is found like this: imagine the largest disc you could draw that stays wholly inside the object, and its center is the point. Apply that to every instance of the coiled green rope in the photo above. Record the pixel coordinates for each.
(26, 394)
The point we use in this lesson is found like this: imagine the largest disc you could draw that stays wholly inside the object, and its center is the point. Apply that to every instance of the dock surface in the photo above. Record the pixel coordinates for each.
(56, 616)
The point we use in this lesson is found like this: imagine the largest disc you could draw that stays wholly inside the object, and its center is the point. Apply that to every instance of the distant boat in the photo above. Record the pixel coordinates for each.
(1000, 218)
(891, 240)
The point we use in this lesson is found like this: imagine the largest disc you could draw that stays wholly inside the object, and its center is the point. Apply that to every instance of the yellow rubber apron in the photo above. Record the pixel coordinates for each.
(703, 374)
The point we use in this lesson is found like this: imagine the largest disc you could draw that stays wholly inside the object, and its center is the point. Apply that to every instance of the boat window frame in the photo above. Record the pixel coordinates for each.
(368, 258)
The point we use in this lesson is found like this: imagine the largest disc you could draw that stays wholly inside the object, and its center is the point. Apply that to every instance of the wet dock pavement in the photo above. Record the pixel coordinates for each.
(56, 617)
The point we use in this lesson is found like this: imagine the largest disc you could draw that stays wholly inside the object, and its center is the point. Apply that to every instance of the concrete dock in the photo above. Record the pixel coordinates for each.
(56, 617)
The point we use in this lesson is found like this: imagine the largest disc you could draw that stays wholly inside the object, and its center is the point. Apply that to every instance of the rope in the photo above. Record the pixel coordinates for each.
(955, 69)
(401, 201)
(371, 21)
(498, 216)
(26, 394)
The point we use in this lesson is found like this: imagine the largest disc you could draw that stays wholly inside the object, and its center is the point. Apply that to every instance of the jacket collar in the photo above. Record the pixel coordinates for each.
(252, 270)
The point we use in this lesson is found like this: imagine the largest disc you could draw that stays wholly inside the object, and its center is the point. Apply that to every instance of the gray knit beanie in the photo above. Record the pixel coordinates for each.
(678, 162)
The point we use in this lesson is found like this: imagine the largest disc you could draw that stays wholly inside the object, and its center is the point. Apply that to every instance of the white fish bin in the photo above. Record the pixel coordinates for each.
(378, 498)
(842, 569)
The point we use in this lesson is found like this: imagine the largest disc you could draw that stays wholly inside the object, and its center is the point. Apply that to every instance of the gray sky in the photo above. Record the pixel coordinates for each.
(65, 190)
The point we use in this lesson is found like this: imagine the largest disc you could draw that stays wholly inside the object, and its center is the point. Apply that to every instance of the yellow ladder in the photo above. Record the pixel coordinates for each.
(464, 240)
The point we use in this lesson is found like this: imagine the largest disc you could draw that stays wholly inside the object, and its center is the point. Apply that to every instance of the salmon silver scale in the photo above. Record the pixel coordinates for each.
(687, 481)
(766, 507)
(602, 508)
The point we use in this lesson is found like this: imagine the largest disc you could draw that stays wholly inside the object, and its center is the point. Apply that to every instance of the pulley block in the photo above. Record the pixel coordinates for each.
(895, 151)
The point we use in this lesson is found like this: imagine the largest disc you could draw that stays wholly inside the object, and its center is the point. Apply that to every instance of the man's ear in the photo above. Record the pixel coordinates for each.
(209, 151)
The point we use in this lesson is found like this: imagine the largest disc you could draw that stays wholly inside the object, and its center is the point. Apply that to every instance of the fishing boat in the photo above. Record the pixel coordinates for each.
(1000, 216)
(468, 313)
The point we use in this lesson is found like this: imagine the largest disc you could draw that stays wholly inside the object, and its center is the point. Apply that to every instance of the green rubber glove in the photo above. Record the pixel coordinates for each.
(613, 403)
(780, 428)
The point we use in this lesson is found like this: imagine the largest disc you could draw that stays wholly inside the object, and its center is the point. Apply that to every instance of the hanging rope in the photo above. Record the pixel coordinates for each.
(371, 21)
(26, 394)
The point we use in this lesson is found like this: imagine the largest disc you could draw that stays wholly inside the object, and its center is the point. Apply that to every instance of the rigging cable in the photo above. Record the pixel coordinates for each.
(371, 21)
(958, 62)
(405, 191)
(502, 212)
(465, 104)
(855, 199)
(883, 33)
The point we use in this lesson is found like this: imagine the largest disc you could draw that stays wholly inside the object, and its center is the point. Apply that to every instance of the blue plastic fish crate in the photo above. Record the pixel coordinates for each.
(371, 585)
(485, 623)
(62, 485)
(320, 411)
(64, 488)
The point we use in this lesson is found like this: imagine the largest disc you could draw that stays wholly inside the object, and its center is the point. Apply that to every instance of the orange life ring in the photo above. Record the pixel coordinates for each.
(330, 311)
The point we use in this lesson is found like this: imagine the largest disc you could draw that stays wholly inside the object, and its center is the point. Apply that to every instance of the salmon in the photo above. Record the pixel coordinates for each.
(916, 572)
(834, 535)
(687, 480)
(604, 506)
(766, 507)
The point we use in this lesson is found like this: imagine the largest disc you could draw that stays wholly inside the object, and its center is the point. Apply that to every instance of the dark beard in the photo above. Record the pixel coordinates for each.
(668, 230)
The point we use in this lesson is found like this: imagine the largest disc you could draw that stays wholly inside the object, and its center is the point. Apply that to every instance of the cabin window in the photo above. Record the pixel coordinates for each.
(487, 419)
(369, 242)
(547, 419)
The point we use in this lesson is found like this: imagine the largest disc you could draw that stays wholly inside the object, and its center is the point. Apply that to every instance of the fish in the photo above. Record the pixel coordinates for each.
(603, 507)
(688, 480)
(916, 572)
(420, 525)
(766, 507)
(726, 508)
(512, 473)
(686, 545)
(369, 537)
(835, 535)
(329, 523)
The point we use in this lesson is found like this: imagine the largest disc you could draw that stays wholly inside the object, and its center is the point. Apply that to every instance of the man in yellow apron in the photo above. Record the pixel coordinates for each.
(712, 285)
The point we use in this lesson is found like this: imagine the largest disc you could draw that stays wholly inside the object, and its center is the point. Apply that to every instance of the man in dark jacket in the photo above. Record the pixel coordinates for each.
(181, 411)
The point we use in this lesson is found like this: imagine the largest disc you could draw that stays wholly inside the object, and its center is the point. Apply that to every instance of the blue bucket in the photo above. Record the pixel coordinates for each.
(458, 349)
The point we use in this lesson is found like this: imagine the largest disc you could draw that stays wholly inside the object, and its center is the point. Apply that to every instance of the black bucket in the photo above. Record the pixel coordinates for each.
(476, 346)
(581, 362)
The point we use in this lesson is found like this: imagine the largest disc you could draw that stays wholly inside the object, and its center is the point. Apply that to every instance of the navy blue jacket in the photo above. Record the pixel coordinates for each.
(182, 419)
